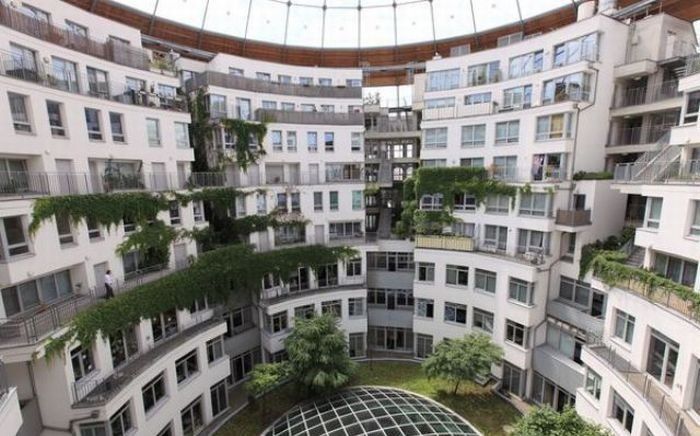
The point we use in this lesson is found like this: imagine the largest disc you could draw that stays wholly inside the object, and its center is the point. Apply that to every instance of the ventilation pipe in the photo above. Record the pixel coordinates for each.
(585, 10)
(607, 7)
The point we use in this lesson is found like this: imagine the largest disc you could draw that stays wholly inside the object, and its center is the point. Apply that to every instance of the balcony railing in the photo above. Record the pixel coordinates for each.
(445, 242)
(545, 173)
(659, 172)
(459, 111)
(646, 95)
(575, 316)
(112, 51)
(100, 390)
(394, 125)
(302, 117)
(31, 70)
(639, 135)
(215, 78)
(278, 293)
(692, 64)
(573, 218)
(306, 178)
(663, 406)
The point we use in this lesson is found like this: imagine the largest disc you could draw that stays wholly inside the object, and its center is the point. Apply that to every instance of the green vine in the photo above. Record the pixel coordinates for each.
(201, 131)
(221, 275)
(612, 243)
(245, 132)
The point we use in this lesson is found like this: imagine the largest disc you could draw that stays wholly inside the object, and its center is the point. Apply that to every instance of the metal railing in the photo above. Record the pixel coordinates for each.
(386, 124)
(215, 78)
(543, 173)
(644, 95)
(445, 242)
(113, 51)
(302, 117)
(663, 406)
(573, 218)
(278, 293)
(459, 111)
(692, 64)
(31, 70)
(35, 325)
(639, 135)
(278, 177)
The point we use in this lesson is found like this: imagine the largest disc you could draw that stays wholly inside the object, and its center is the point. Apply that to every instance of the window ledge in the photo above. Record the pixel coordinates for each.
(485, 292)
(68, 245)
(520, 303)
(456, 286)
(157, 407)
(516, 346)
(455, 323)
(183, 384)
(17, 257)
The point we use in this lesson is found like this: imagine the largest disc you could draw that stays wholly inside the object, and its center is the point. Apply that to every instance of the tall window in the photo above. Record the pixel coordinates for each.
(123, 345)
(215, 349)
(243, 111)
(192, 418)
(356, 141)
(356, 344)
(456, 313)
(474, 135)
(81, 361)
(291, 141)
(505, 167)
(120, 422)
(555, 126)
(485, 281)
(164, 325)
(357, 200)
(624, 326)
(483, 320)
(333, 200)
(516, 333)
(153, 392)
(424, 308)
(116, 122)
(356, 306)
(520, 290)
(94, 125)
(593, 384)
(311, 141)
(653, 212)
(426, 272)
(695, 219)
(63, 227)
(457, 275)
(15, 238)
(508, 132)
(65, 74)
(353, 267)
(55, 112)
(533, 241)
(186, 366)
(182, 135)
(219, 398)
(662, 358)
(622, 412)
(435, 138)
(153, 129)
(496, 237)
(424, 346)
(318, 201)
(692, 107)
(329, 141)
(20, 112)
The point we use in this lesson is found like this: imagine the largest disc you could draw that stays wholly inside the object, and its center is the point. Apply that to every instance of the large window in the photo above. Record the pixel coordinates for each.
(98, 83)
(517, 98)
(192, 418)
(356, 306)
(120, 422)
(215, 349)
(442, 80)
(533, 241)
(243, 364)
(327, 275)
(390, 261)
(424, 346)
(306, 311)
(575, 50)
(533, 204)
(483, 73)
(153, 392)
(474, 135)
(525, 65)
(187, 366)
(546, 392)
(345, 230)
(243, 111)
(424, 308)
(426, 272)
(479, 98)
(497, 204)
(356, 345)
(456, 313)
(485, 281)
(495, 237)
(123, 346)
(521, 291)
(679, 270)
(555, 126)
(333, 308)
(81, 361)
(276, 322)
(182, 135)
(662, 358)
(219, 398)
(580, 293)
(116, 124)
(567, 341)
(508, 132)
(457, 275)
(465, 202)
(153, 130)
(516, 333)
(622, 412)
(435, 138)
(483, 320)
(164, 325)
(576, 87)
(624, 326)
(390, 299)
(353, 267)
(44, 290)
(695, 218)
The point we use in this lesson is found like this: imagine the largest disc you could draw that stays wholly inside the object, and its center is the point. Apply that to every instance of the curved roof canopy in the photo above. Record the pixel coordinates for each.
(345, 23)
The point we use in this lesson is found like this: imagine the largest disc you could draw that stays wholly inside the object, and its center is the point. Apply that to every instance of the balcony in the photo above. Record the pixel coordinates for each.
(638, 135)
(301, 117)
(554, 173)
(573, 218)
(576, 317)
(223, 80)
(30, 70)
(659, 172)
(672, 416)
(645, 95)
(392, 125)
(99, 391)
(112, 51)
(306, 178)
(277, 294)
(692, 65)
(459, 111)
(445, 242)
(557, 367)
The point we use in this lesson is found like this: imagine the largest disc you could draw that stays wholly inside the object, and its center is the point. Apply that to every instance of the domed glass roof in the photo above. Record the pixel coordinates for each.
(345, 23)
(374, 411)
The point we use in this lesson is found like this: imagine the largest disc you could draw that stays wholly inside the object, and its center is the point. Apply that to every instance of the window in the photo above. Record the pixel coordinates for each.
(312, 141)
(329, 140)
(692, 108)
(356, 306)
(465, 202)
(679, 270)
(120, 422)
(45, 289)
(288, 106)
(547, 393)
(353, 267)
(556, 126)
(327, 275)
(517, 98)
(305, 312)
(622, 412)
(318, 201)
(390, 261)
(276, 138)
(513, 380)
(442, 80)
(333, 308)
(431, 202)
(215, 349)
(579, 293)
(482, 320)
(464, 229)
(495, 237)
(435, 138)
(345, 230)
(582, 48)
(482, 97)
(624, 326)
(333, 199)
(526, 64)
(474, 136)
(55, 112)
(291, 141)
(356, 344)
(64, 74)
(353, 83)
(520, 290)
(95, 429)
(37, 14)
(98, 83)
(662, 358)
(243, 111)
(483, 74)
(76, 29)
(153, 129)
(455, 313)
(265, 77)
(123, 346)
(497, 204)
(356, 141)
(164, 325)
(219, 398)
(94, 126)
(424, 308)
(63, 226)
(472, 162)
(573, 87)
(593, 383)
(197, 211)
(437, 103)
(277, 322)
(516, 333)
(426, 272)
(533, 241)
(424, 346)
(505, 167)
(192, 419)
(695, 220)
(357, 200)
(153, 392)
(182, 136)
(174, 212)
(116, 122)
(433, 163)
(20, 113)
(653, 214)
(533, 204)
(485, 280)
(269, 105)
(457, 275)
(237, 321)
(15, 237)
(81, 360)
(235, 71)
(507, 132)
(186, 367)
(242, 364)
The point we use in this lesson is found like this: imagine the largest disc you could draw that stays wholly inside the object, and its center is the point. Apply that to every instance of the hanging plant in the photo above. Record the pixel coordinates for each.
(248, 140)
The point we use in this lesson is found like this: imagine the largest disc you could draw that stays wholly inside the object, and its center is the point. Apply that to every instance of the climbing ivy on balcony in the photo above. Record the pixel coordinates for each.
(449, 182)
(221, 275)
(201, 131)
(248, 140)
(611, 244)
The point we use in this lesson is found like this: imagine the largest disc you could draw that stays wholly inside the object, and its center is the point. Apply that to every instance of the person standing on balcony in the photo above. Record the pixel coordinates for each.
(109, 282)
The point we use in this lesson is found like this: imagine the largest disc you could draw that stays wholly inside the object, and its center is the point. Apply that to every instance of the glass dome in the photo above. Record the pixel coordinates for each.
(345, 23)
(370, 410)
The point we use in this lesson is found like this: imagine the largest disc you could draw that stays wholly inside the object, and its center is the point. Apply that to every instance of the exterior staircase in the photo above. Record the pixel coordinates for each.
(636, 257)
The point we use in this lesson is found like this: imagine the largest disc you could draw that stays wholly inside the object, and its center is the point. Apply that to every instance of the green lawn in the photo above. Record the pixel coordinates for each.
(478, 405)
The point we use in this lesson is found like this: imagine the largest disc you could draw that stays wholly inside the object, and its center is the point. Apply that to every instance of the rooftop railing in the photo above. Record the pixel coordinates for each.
(30, 70)
(113, 51)
(215, 78)
(302, 117)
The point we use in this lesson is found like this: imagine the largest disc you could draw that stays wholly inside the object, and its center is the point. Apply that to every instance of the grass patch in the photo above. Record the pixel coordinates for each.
(476, 404)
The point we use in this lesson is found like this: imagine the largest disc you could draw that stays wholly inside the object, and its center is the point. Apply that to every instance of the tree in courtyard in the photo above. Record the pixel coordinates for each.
(318, 354)
(263, 379)
(545, 421)
(462, 359)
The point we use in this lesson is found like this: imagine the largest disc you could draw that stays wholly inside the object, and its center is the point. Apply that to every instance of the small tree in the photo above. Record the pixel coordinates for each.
(263, 379)
(545, 421)
(318, 354)
(462, 359)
